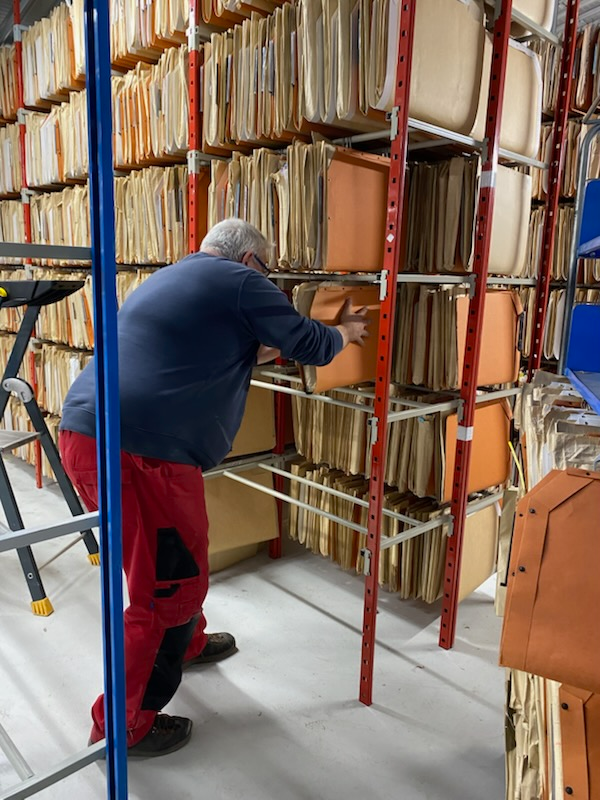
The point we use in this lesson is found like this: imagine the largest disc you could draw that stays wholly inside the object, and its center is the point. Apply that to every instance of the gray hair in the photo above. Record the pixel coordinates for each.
(233, 237)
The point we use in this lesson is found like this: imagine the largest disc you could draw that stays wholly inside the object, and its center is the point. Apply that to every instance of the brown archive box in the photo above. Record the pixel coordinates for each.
(257, 431)
(499, 360)
(580, 738)
(552, 622)
(356, 363)
(239, 517)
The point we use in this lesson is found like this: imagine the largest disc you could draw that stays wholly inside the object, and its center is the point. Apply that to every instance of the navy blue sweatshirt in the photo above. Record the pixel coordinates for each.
(188, 340)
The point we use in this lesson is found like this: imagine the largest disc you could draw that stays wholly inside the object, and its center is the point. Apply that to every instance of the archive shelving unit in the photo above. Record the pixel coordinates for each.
(384, 409)
(381, 413)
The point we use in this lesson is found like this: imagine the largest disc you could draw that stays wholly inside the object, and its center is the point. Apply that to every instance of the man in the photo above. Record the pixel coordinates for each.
(189, 337)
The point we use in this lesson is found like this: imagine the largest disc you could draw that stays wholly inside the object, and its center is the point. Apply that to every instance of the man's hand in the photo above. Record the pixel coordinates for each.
(353, 324)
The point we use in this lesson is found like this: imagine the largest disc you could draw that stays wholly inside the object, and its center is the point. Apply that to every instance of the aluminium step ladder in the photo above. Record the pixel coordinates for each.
(33, 295)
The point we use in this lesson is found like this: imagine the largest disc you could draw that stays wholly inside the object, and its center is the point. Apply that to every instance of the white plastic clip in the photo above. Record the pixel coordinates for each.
(394, 123)
(21, 116)
(464, 433)
(194, 162)
(383, 284)
(374, 430)
(367, 555)
(194, 37)
(17, 33)
(25, 195)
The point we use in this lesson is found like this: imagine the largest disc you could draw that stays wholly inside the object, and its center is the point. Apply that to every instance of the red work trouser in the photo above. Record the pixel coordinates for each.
(165, 558)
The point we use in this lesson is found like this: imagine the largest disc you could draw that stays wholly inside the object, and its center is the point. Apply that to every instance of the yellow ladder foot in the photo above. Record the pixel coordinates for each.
(94, 559)
(42, 608)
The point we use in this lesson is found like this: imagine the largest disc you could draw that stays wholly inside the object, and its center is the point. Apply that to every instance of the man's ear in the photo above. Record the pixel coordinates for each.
(246, 258)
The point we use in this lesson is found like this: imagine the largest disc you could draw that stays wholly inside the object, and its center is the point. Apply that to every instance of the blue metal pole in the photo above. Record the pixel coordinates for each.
(107, 387)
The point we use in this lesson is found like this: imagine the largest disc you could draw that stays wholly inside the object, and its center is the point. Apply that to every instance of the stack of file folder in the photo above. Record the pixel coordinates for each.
(57, 368)
(49, 63)
(323, 206)
(150, 111)
(414, 568)
(151, 216)
(554, 317)
(12, 226)
(431, 337)
(141, 31)
(8, 83)
(56, 143)
(10, 164)
(333, 64)
(440, 220)
(420, 453)
(573, 140)
(61, 218)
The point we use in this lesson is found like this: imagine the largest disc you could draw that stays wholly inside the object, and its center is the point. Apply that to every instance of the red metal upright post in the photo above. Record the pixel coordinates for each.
(483, 231)
(195, 132)
(25, 192)
(555, 172)
(391, 261)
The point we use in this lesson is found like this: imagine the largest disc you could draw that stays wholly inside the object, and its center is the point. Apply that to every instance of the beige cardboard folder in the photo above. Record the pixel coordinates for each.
(257, 431)
(522, 106)
(239, 515)
(355, 364)
(447, 60)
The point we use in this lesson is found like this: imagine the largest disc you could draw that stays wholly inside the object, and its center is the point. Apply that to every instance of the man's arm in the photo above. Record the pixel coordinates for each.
(266, 354)
(276, 324)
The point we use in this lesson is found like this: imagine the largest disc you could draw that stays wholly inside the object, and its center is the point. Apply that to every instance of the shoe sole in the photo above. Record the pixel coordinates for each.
(132, 754)
(199, 660)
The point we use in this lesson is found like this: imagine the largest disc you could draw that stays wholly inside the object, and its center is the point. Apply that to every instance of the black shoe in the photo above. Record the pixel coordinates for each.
(167, 735)
(218, 647)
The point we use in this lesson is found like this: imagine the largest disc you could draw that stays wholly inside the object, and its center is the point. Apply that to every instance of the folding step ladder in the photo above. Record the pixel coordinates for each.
(33, 295)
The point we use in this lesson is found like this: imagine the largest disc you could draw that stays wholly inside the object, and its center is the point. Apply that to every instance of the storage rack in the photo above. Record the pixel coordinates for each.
(108, 518)
(380, 413)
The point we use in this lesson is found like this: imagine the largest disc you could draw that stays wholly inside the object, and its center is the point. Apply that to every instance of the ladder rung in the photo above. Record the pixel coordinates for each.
(10, 440)
(29, 536)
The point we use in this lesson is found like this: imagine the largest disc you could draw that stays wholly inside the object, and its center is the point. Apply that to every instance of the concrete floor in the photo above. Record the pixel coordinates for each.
(280, 720)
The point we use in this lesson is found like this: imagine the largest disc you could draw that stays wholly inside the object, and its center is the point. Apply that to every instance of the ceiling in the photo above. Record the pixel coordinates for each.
(589, 11)
(31, 11)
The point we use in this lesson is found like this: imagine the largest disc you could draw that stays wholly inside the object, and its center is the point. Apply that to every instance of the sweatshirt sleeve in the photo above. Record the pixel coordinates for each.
(275, 323)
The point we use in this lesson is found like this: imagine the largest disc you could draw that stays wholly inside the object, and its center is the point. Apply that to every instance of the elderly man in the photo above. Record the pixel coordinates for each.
(189, 337)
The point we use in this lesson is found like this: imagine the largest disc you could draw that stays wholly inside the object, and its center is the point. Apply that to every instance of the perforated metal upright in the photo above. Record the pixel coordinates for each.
(477, 305)
(391, 263)
(555, 172)
(195, 130)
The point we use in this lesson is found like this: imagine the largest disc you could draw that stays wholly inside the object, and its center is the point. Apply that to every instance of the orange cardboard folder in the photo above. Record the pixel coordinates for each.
(580, 737)
(500, 353)
(490, 456)
(355, 364)
(551, 623)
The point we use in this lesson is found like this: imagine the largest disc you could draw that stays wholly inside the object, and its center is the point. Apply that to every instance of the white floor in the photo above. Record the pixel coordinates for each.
(280, 720)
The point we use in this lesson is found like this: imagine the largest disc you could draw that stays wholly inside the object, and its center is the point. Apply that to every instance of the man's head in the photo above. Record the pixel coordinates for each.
(239, 241)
